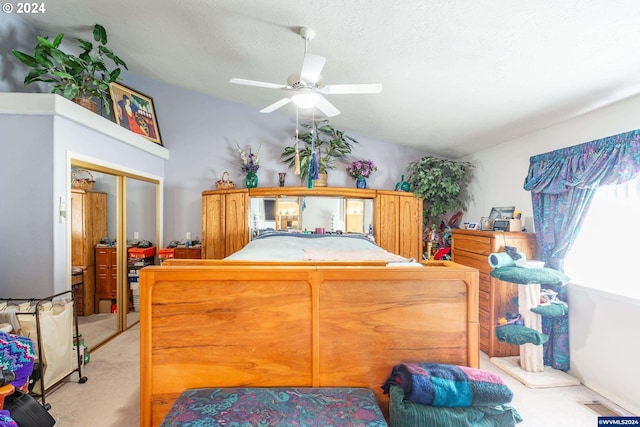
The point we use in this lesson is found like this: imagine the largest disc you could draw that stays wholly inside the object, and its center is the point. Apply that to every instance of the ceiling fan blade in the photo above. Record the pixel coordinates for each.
(257, 83)
(351, 88)
(326, 107)
(276, 105)
(311, 68)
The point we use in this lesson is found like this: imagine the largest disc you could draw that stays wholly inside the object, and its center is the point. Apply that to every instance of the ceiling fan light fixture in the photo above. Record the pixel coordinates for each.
(305, 100)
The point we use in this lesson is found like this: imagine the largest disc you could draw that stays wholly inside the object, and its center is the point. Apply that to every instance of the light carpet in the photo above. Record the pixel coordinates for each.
(548, 378)
(111, 396)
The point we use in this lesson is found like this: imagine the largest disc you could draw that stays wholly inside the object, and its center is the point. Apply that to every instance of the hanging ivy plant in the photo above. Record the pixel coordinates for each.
(442, 184)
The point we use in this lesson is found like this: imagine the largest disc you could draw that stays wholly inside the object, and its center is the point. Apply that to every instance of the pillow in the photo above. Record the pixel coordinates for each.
(516, 334)
(527, 276)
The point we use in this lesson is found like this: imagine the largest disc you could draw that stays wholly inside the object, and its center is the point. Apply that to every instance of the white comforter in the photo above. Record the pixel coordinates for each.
(315, 247)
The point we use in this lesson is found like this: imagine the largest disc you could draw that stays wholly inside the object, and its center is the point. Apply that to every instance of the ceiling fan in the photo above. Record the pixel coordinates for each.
(308, 87)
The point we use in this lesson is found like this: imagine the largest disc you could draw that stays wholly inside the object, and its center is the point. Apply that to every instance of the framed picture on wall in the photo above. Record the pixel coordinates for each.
(134, 111)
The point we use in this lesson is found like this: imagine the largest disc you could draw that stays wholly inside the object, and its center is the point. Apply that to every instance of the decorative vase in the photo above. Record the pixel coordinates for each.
(251, 180)
(361, 182)
(402, 185)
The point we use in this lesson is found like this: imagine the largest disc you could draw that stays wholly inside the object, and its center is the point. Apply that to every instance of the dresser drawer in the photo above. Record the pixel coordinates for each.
(484, 339)
(483, 317)
(484, 280)
(484, 300)
(470, 259)
(476, 244)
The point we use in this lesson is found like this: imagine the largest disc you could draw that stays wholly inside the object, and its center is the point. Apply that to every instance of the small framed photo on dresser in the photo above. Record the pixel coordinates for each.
(472, 226)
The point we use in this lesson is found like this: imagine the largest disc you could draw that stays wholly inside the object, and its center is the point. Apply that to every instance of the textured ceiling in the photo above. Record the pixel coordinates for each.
(457, 75)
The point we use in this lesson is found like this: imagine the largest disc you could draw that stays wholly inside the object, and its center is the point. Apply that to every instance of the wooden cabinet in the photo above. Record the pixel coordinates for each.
(225, 216)
(88, 227)
(398, 223)
(472, 248)
(186, 253)
(106, 272)
(225, 228)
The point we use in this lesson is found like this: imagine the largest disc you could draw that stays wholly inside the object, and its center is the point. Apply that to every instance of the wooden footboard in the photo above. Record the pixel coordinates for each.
(229, 325)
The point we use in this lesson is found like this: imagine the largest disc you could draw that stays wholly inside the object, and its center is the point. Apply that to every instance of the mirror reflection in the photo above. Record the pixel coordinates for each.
(93, 225)
(311, 214)
(106, 290)
(141, 234)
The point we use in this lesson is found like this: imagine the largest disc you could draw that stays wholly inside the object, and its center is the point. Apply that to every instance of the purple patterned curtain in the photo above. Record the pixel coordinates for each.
(562, 185)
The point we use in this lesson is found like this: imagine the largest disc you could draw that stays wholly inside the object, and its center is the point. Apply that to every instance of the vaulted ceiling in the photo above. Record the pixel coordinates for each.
(457, 76)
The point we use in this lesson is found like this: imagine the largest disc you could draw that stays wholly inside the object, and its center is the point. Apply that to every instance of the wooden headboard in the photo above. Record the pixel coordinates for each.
(235, 325)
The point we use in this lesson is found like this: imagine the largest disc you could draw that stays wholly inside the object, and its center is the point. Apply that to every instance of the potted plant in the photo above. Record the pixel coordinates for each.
(330, 144)
(441, 183)
(81, 78)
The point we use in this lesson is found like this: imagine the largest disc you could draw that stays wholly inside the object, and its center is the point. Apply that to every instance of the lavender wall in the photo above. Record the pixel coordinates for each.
(27, 206)
(201, 131)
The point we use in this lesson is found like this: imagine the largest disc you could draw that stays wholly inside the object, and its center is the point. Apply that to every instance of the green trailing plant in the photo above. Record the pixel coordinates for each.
(83, 76)
(442, 184)
(330, 145)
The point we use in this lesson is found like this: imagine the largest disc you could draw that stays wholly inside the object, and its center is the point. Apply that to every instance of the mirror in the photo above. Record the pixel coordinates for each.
(112, 299)
(359, 216)
(310, 213)
(141, 228)
(98, 321)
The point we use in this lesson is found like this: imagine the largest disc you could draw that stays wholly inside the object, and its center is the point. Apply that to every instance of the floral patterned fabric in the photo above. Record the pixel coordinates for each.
(562, 185)
(244, 407)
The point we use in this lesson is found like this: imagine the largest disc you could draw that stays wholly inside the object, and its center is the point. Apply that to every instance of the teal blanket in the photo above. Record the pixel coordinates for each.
(403, 413)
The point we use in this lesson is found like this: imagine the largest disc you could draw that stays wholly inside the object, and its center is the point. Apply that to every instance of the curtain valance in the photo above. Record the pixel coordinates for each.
(611, 160)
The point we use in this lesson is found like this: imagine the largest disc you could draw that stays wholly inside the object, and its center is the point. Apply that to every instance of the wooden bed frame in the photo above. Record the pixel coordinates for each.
(231, 324)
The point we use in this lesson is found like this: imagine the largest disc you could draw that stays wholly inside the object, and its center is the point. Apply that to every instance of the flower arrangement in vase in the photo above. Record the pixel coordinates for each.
(250, 165)
(361, 170)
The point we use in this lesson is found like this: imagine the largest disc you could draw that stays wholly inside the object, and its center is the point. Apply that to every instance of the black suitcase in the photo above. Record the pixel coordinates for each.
(26, 411)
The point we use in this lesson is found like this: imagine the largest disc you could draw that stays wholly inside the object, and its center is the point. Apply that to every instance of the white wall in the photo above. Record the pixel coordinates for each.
(603, 327)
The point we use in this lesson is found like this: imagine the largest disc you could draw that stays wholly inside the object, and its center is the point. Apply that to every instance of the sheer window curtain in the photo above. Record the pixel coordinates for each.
(610, 232)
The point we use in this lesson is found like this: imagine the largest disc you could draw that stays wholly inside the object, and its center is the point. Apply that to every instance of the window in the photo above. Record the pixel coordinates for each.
(605, 254)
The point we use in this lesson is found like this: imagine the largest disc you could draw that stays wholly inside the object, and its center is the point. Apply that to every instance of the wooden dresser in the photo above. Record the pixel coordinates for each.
(88, 227)
(472, 248)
